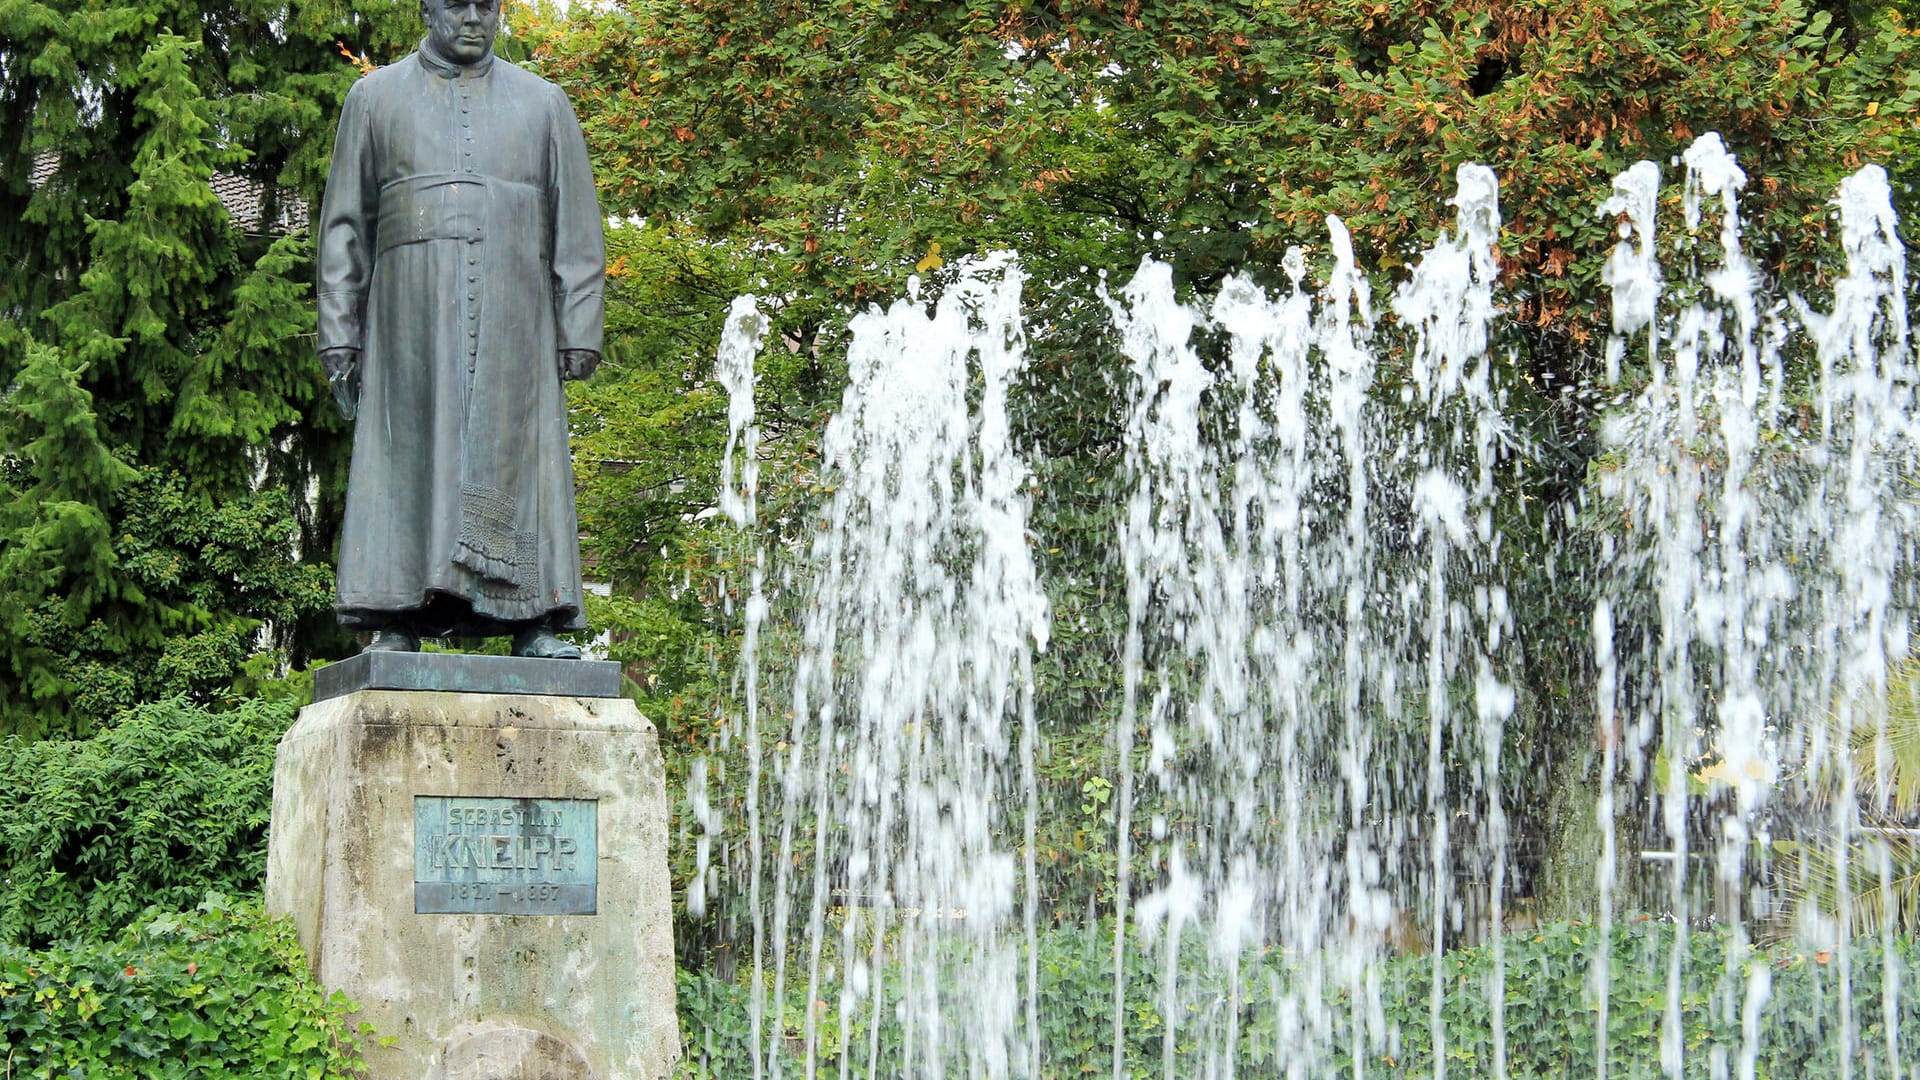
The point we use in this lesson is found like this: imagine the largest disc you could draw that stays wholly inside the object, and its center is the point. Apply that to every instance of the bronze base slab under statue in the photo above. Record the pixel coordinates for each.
(484, 873)
(462, 672)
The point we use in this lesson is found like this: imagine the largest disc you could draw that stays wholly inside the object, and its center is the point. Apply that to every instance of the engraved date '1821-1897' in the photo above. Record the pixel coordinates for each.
(505, 856)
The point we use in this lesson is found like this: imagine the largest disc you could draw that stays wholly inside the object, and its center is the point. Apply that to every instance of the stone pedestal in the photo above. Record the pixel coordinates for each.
(485, 873)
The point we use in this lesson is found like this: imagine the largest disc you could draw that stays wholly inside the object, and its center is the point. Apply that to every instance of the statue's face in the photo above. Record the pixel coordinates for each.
(461, 30)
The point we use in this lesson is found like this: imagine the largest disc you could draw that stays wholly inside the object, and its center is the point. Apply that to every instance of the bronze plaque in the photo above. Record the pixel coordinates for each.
(485, 856)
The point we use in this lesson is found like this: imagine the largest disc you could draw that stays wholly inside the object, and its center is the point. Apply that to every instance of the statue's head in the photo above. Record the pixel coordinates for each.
(461, 30)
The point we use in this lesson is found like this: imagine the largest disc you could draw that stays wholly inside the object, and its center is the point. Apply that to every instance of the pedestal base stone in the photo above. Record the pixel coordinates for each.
(466, 995)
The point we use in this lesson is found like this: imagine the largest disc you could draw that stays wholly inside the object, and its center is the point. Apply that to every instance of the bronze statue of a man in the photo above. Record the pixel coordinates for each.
(460, 275)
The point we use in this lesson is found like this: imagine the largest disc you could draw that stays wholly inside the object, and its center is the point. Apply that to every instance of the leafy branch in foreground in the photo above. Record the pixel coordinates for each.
(216, 990)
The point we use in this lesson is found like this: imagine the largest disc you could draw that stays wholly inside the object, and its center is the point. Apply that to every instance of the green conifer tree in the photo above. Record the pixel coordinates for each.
(163, 424)
(149, 284)
(58, 561)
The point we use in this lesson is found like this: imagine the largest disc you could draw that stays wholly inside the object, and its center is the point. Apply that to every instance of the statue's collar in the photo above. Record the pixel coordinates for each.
(446, 68)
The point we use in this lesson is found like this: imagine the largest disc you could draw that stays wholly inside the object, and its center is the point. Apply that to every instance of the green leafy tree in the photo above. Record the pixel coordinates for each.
(849, 137)
(826, 151)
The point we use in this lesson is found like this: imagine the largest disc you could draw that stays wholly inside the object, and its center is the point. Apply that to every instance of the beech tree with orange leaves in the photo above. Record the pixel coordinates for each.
(851, 135)
(821, 152)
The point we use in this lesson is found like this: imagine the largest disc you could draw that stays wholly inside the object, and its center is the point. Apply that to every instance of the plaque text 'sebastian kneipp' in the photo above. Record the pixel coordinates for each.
(490, 856)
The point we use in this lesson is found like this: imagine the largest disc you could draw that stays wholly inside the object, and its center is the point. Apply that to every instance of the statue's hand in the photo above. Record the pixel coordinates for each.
(342, 366)
(578, 363)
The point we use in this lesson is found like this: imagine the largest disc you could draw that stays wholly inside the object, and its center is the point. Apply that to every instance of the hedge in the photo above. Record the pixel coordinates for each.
(1550, 1013)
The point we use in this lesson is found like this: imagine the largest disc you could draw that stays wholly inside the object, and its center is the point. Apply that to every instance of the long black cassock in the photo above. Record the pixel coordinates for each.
(460, 248)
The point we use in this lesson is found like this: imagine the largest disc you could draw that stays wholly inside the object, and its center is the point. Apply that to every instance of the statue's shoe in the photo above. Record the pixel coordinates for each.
(542, 645)
(393, 641)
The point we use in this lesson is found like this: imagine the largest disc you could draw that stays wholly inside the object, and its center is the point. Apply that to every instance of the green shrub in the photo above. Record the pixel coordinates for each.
(716, 1026)
(1551, 1017)
(1550, 1014)
(216, 991)
(166, 803)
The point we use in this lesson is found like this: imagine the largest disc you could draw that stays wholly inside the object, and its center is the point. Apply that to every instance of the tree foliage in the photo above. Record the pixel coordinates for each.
(852, 136)
(164, 429)
(163, 426)
(822, 152)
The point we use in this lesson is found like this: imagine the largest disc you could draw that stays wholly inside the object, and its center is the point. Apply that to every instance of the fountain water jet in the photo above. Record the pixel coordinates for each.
(1319, 657)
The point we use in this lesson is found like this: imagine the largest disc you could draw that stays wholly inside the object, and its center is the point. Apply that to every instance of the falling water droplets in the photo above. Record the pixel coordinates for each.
(1320, 669)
